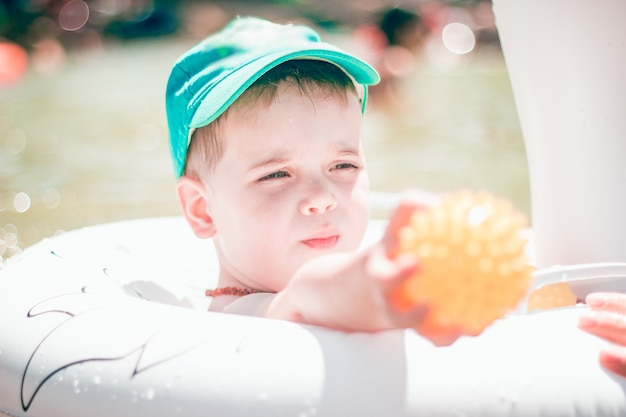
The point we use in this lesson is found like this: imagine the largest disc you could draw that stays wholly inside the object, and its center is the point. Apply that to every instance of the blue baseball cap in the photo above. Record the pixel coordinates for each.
(209, 77)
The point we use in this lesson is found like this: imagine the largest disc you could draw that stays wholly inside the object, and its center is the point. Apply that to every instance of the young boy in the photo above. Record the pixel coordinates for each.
(265, 128)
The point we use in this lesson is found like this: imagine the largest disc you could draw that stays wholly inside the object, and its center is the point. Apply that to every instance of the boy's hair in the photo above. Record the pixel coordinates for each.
(308, 76)
(208, 79)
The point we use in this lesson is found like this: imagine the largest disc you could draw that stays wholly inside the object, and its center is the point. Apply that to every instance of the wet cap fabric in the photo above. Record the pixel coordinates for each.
(207, 79)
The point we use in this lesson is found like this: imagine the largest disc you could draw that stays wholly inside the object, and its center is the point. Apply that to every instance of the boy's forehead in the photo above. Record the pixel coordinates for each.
(210, 77)
(294, 113)
(252, 105)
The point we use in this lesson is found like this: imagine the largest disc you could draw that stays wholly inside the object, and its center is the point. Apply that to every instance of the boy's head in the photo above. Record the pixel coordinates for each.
(213, 75)
(265, 127)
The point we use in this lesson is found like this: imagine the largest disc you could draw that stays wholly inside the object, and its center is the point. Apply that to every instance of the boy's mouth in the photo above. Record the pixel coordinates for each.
(322, 242)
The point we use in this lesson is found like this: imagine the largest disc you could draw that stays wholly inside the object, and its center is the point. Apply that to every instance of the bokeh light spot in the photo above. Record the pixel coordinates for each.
(51, 198)
(73, 15)
(48, 56)
(458, 38)
(21, 202)
(9, 243)
(13, 63)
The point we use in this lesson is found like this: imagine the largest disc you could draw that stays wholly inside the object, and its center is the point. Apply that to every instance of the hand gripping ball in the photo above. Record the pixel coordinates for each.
(473, 266)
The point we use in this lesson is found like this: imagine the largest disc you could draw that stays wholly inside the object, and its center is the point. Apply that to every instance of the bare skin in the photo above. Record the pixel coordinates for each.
(607, 319)
(287, 207)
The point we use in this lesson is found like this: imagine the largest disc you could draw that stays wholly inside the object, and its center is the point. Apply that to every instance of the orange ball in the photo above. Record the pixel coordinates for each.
(473, 265)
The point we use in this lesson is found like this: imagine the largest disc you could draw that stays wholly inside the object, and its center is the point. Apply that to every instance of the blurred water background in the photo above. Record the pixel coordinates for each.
(83, 137)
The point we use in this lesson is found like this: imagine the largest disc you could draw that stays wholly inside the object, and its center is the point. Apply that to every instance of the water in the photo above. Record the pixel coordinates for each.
(88, 144)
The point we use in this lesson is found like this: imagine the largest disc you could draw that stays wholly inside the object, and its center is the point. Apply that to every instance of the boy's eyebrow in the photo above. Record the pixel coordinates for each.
(349, 151)
(278, 160)
(272, 160)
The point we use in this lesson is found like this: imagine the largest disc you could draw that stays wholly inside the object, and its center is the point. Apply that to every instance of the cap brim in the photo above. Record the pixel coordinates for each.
(215, 99)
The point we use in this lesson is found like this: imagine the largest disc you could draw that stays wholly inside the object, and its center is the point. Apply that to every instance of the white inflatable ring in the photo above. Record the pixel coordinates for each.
(79, 338)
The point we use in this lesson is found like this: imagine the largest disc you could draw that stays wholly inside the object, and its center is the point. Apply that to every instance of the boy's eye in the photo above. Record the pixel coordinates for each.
(274, 175)
(345, 165)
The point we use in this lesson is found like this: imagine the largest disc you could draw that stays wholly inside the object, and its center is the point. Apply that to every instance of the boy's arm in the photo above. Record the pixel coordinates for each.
(346, 291)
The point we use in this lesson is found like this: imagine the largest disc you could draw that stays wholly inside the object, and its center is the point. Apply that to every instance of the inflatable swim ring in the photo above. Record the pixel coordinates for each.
(110, 321)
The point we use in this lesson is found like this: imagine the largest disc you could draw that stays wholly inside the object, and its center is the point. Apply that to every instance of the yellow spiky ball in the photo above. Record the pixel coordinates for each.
(473, 266)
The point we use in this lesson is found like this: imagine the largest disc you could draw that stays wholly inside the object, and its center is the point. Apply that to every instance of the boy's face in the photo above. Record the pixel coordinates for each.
(290, 186)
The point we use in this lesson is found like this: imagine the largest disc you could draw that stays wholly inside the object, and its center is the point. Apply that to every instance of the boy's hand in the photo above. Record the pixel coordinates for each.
(402, 215)
(607, 319)
(353, 292)
(473, 263)
(380, 272)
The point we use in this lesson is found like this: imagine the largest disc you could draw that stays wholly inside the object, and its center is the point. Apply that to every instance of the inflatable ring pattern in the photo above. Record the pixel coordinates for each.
(111, 320)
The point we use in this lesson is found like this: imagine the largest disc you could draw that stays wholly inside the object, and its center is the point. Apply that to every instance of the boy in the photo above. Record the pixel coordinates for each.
(265, 130)
(265, 126)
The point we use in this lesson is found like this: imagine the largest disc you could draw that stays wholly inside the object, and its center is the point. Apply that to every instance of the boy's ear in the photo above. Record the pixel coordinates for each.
(193, 199)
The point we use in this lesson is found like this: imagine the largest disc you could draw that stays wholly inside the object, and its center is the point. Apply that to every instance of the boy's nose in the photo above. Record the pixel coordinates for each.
(317, 200)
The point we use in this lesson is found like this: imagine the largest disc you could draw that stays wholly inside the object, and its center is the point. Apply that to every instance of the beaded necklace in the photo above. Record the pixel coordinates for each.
(237, 292)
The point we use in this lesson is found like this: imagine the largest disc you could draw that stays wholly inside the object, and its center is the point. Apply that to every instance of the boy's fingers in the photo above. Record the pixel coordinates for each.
(409, 319)
(400, 217)
(389, 273)
(441, 337)
(614, 359)
(610, 326)
(607, 301)
(607, 325)
(405, 268)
